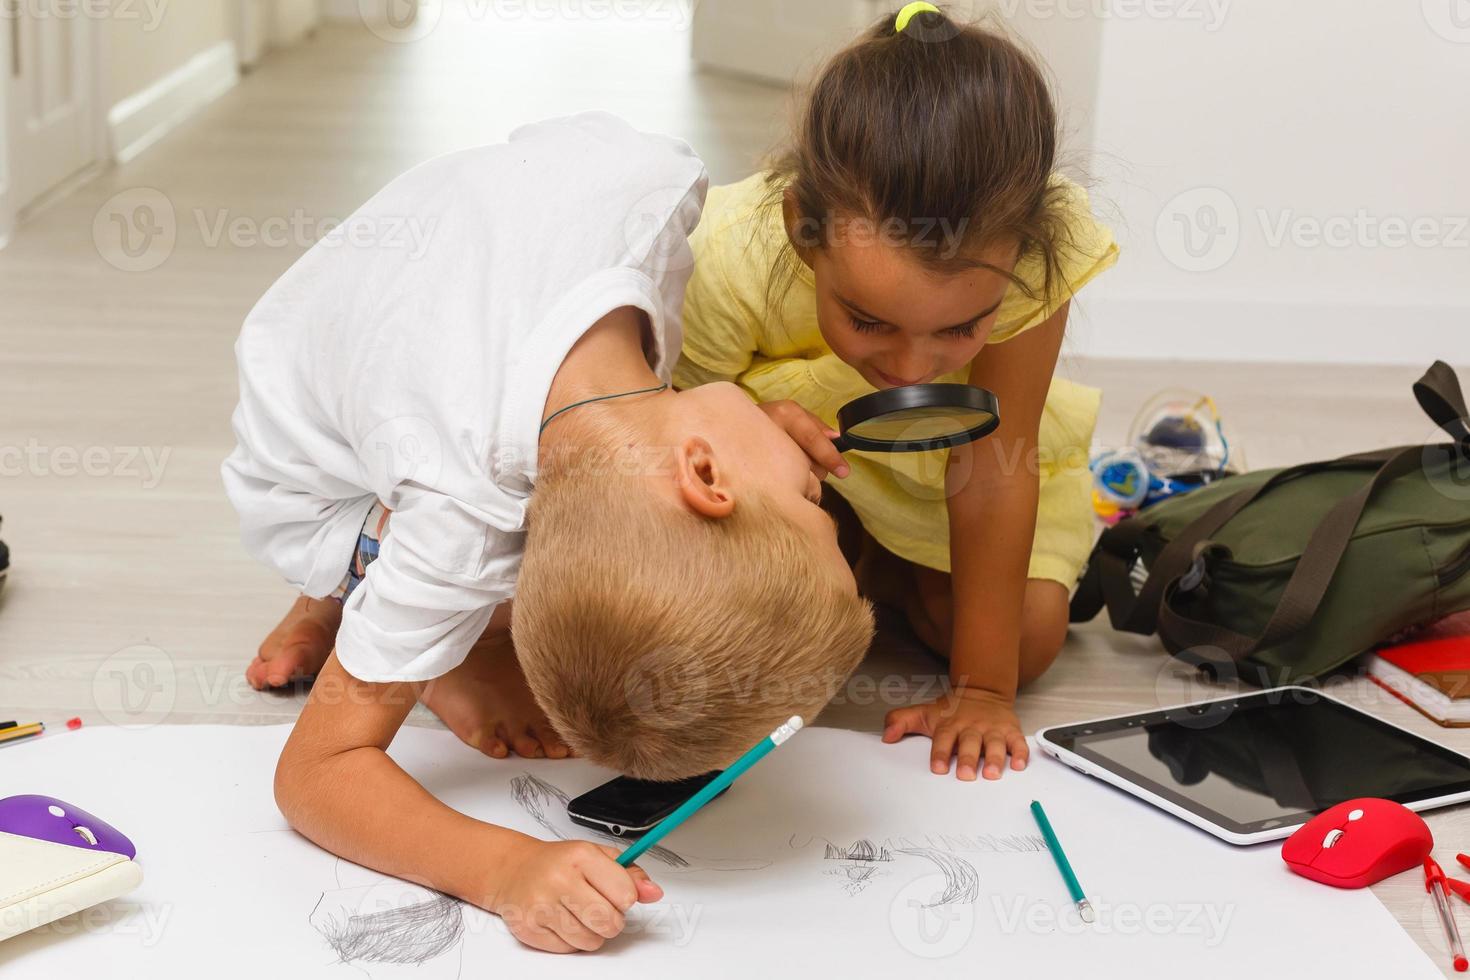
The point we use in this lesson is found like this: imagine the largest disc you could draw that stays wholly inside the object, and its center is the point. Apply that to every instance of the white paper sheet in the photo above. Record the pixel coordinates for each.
(836, 853)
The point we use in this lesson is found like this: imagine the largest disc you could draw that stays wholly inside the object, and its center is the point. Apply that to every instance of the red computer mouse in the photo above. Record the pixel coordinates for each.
(1357, 843)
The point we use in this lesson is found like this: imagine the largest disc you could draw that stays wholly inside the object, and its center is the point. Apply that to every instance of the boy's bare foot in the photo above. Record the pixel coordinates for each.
(485, 701)
(298, 646)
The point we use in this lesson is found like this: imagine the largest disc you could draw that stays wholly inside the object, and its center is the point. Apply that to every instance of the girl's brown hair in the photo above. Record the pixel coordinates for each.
(944, 131)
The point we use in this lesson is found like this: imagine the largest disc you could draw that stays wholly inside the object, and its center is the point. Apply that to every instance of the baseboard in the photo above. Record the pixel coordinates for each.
(1232, 330)
(142, 119)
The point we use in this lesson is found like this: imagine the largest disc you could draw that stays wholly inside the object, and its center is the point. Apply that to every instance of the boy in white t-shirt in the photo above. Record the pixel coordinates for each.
(402, 395)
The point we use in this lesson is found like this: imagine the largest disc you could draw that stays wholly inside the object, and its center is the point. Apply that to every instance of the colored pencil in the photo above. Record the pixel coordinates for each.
(715, 787)
(15, 733)
(1084, 907)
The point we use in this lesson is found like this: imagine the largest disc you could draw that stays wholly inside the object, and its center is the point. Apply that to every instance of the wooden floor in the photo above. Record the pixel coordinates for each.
(130, 599)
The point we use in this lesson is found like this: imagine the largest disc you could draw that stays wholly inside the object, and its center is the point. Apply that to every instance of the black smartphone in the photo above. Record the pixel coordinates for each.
(626, 807)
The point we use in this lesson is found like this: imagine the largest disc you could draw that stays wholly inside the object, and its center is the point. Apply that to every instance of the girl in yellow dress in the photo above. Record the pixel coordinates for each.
(916, 231)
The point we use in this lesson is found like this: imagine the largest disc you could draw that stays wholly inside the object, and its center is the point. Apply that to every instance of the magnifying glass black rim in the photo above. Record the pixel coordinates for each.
(937, 395)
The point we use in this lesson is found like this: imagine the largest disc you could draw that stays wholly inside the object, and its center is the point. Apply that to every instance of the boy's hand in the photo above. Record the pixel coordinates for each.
(811, 434)
(970, 722)
(566, 896)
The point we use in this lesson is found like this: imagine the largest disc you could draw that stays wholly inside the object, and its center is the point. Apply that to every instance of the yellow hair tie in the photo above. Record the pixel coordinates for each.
(907, 14)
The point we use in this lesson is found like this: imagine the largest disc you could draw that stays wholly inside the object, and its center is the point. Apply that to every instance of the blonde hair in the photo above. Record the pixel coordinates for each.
(663, 644)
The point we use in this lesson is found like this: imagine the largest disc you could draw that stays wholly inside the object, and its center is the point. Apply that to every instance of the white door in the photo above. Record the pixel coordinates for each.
(778, 40)
(252, 30)
(261, 25)
(50, 124)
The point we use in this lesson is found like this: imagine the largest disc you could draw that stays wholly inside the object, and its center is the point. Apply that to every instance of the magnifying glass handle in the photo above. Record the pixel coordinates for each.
(841, 444)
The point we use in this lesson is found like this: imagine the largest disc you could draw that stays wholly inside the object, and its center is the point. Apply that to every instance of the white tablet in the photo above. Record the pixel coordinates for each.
(1256, 767)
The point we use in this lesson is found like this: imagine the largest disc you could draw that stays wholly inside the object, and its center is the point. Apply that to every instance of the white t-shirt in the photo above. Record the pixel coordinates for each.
(407, 358)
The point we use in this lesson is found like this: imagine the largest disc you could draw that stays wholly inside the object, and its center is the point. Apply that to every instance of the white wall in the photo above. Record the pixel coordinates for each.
(8, 206)
(165, 67)
(1320, 150)
(1287, 177)
(1071, 50)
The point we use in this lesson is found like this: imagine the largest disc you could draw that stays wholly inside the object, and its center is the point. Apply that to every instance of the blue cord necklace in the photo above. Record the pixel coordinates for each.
(600, 398)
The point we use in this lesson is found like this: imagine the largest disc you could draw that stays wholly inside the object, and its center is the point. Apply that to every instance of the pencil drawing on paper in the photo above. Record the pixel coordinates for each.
(391, 925)
(547, 805)
(863, 862)
(858, 865)
(961, 882)
(409, 934)
(974, 843)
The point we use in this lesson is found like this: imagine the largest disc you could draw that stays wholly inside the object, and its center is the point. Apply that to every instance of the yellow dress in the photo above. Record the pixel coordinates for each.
(729, 336)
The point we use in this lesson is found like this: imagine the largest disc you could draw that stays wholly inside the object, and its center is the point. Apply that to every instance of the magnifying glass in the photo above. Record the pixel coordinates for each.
(917, 418)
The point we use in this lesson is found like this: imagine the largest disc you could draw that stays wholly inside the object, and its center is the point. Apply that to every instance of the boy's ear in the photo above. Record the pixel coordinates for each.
(702, 485)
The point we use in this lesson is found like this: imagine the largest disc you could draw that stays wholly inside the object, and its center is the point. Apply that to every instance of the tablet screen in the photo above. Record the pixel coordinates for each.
(1267, 760)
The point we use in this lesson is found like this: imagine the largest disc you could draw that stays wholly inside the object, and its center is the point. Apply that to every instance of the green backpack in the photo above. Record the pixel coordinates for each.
(1280, 576)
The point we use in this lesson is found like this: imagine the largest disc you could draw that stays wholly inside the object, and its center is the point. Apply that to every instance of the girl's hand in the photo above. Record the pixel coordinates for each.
(566, 896)
(811, 434)
(968, 721)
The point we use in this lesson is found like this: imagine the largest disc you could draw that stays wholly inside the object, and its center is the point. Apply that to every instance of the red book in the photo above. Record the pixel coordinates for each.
(1430, 675)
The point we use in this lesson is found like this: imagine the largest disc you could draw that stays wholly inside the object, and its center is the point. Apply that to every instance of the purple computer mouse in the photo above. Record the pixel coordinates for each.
(52, 820)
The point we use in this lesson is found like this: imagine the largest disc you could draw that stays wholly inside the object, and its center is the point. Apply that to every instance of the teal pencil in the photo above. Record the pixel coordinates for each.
(1084, 907)
(716, 786)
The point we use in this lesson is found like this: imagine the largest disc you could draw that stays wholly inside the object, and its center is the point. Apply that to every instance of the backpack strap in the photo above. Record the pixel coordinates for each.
(1108, 581)
(1440, 396)
(1109, 578)
(1309, 583)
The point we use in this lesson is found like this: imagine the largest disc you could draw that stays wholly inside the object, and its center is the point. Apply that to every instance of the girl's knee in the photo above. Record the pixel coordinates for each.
(930, 609)
(1043, 627)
